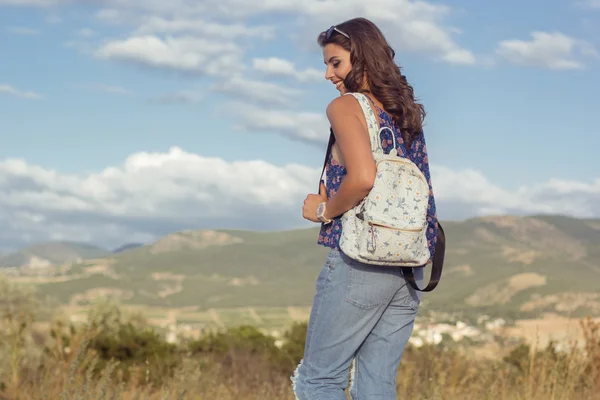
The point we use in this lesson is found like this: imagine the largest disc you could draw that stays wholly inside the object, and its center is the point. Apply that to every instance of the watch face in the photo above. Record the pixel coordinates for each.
(320, 209)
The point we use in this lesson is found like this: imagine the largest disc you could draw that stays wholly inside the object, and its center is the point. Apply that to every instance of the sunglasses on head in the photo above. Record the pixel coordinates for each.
(334, 29)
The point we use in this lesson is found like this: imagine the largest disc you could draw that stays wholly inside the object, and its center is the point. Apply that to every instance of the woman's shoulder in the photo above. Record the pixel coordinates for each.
(343, 106)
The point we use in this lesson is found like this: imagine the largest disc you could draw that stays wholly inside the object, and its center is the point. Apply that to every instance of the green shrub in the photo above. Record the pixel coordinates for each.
(241, 338)
(18, 310)
(134, 346)
(114, 336)
(294, 341)
(248, 341)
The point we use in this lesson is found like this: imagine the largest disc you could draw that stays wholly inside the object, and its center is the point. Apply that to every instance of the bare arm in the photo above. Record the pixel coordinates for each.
(351, 135)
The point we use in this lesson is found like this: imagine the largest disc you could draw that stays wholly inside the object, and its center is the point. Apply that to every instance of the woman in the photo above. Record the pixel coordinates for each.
(362, 315)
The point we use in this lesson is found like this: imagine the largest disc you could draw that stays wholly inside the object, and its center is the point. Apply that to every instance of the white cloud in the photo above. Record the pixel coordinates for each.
(414, 26)
(274, 66)
(31, 3)
(23, 30)
(256, 91)
(100, 87)
(152, 194)
(155, 24)
(303, 126)
(180, 97)
(553, 50)
(8, 89)
(186, 54)
(53, 19)
(591, 3)
(86, 32)
(411, 25)
(470, 187)
(114, 16)
(146, 196)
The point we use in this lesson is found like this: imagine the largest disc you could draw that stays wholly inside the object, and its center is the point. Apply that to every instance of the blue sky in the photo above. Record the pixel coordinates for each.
(125, 120)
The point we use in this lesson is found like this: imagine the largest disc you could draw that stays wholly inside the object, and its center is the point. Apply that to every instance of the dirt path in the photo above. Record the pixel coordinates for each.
(215, 317)
(551, 327)
(298, 314)
(255, 315)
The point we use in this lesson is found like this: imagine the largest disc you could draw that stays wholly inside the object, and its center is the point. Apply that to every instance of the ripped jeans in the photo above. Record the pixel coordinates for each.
(361, 315)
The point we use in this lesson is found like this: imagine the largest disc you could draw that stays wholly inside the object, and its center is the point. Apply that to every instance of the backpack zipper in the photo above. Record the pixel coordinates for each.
(380, 225)
(374, 225)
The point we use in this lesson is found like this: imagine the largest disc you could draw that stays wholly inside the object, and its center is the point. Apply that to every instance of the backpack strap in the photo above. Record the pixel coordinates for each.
(436, 268)
(327, 153)
(372, 124)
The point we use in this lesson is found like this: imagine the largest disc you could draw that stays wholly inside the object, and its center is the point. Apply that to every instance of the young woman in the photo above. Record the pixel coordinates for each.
(362, 315)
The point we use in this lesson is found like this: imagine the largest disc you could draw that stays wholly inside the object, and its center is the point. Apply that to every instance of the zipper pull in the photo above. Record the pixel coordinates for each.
(372, 244)
(374, 237)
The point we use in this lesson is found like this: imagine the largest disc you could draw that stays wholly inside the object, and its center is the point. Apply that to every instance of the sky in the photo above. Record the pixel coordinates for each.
(125, 120)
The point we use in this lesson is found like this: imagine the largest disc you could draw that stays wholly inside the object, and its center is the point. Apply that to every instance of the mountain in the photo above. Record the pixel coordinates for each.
(127, 246)
(51, 253)
(501, 265)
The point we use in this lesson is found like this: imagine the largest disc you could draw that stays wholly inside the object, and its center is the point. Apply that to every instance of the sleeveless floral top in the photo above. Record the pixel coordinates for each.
(329, 235)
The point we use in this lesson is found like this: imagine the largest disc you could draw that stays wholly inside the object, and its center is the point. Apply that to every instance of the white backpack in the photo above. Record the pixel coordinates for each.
(389, 226)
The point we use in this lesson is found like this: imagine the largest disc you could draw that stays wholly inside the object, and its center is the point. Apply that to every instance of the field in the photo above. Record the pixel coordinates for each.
(268, 319)
(529, 268)
(118, 354)
(222, 315)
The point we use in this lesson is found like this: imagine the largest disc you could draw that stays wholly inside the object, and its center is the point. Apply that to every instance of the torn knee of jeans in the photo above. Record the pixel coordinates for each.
(294, 378)
(352, 377)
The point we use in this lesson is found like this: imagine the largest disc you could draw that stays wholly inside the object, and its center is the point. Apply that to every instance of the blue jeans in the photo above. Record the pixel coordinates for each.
(361, 315)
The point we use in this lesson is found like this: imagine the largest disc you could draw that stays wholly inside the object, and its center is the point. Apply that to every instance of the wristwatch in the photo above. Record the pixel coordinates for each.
(321, 213)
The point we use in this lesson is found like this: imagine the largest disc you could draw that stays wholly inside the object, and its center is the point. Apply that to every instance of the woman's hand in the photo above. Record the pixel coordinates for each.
(312, 201)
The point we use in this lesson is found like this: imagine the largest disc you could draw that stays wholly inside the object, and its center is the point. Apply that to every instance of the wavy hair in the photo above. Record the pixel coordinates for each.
(370, 52)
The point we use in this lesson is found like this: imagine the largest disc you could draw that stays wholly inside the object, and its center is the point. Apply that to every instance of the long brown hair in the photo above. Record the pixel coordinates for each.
(370, 52)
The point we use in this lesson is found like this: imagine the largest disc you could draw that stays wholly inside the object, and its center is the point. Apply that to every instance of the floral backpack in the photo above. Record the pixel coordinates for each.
(388, 227)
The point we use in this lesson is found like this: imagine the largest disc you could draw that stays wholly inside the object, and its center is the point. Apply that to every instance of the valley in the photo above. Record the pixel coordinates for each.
(512, 270)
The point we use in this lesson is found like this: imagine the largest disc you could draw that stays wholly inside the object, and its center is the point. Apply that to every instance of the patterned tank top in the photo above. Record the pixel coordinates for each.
(329, 235)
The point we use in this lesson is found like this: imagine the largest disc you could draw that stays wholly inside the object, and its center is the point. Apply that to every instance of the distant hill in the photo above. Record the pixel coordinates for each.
(498, 265)
(51, 253)
(128, 246)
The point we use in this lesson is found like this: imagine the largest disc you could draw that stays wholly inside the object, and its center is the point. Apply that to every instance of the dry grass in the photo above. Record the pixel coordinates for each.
(117, 356)
(426, 373)
(524, 374)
